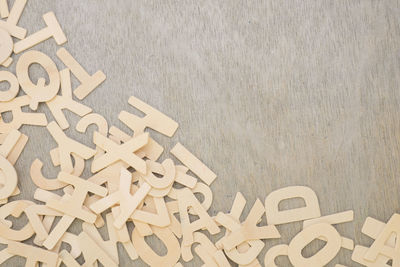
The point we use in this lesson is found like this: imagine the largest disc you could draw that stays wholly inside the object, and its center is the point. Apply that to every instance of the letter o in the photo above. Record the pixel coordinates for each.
(323, 256)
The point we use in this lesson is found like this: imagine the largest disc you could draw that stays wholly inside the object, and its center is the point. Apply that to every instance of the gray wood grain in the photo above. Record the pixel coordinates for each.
(267, 93)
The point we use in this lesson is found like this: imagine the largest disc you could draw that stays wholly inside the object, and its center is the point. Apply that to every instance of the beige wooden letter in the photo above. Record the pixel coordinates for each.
(153, 119)
(275, 216)
(124, 152)
(38, 92)
(193, 163)
(322, 257)
(380, 244)
(88, 83)
(53, 29)
(40, 181)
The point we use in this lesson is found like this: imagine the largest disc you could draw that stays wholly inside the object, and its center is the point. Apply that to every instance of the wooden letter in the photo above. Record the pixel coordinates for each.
(88, 83)
(380, 244)
(124, 152)
(39, 92)
(275, 216)
(193, 163)
(53, 29)
(322, 257)
(154, 119)
(41, 181)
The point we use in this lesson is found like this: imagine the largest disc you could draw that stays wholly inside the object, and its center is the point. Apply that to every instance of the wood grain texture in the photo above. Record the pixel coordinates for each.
(267, 93)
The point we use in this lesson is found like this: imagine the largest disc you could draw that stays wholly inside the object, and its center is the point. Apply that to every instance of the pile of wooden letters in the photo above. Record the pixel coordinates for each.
(130, 185)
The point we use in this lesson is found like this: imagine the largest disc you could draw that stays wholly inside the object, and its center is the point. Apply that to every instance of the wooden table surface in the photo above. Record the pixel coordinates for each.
(267, 93)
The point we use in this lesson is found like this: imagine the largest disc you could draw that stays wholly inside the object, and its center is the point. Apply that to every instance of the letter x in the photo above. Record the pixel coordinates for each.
(124, 152)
